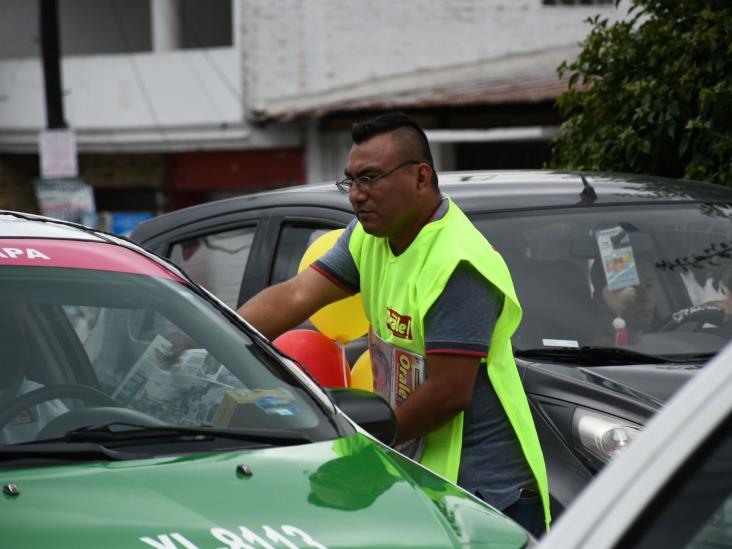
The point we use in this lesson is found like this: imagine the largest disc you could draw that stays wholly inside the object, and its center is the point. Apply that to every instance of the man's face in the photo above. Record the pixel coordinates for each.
(387, 206)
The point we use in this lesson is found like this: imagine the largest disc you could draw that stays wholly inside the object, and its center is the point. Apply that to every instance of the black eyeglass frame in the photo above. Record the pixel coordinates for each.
(363, 182)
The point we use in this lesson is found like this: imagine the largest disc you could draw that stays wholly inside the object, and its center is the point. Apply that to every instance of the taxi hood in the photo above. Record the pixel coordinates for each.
(344, 493)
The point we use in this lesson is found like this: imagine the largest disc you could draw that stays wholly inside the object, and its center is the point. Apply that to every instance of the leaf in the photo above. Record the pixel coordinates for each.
(655, 86)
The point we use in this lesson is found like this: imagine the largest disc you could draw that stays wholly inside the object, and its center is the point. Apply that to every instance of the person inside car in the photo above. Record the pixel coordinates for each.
(441, 305)
(624, 315)
(14, 377)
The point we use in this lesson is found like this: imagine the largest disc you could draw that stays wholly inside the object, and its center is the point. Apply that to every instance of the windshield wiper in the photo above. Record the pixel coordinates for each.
(130, 432)
(84, 451)
(593, 355)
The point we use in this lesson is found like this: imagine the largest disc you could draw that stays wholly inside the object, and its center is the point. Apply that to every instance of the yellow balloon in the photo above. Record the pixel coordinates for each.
(361, 375)
(343, 320)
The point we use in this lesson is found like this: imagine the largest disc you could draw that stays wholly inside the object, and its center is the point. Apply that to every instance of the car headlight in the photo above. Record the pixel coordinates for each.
(601, 437)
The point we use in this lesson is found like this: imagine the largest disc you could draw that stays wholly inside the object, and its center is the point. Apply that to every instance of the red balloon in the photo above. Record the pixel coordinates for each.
(318, 354)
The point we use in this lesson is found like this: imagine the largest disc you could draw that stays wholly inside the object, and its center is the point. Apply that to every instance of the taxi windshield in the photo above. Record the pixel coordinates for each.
(83, 348)
(651, 279)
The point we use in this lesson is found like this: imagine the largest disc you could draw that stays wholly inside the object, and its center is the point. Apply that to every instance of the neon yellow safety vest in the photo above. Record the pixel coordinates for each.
(407, 285)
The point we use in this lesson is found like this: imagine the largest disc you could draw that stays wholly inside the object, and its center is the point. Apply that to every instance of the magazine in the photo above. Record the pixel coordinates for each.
(397, 373)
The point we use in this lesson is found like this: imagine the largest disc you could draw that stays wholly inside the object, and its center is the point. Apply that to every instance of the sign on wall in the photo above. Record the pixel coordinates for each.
(57, 152)
(67, 199)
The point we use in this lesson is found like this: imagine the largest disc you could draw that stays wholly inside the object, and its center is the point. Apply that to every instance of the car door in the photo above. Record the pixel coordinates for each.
(240, 253)
(237, 254)
(285, 237)
(216, 252)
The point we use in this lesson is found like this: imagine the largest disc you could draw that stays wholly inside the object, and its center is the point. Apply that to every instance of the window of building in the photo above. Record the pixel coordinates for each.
(19, 34)
(92, 27)
(577, 2)
(205, 24)
(100, 27)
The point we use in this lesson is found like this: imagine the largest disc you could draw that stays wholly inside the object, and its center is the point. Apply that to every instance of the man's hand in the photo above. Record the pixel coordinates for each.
(283, 306)
(446, 392)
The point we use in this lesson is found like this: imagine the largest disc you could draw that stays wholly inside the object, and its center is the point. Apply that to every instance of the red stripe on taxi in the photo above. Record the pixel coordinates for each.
(72, 254)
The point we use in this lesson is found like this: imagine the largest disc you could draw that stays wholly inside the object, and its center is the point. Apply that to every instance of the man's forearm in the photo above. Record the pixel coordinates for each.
(446, 392)
(283, 306)
(271, 311)
(426, 410)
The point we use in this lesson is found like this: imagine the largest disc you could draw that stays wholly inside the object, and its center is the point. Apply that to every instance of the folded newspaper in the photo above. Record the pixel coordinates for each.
(188, 391)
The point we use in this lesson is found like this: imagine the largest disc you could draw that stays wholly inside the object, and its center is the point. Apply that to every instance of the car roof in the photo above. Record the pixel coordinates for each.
(474, 191)
(23, 225)
(20, 225)
(537, 188)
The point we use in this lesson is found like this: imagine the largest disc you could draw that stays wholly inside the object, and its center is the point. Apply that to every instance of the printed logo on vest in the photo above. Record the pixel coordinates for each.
(399, 325)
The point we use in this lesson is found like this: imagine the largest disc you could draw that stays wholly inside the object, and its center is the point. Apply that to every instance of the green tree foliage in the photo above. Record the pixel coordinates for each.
(652, 94)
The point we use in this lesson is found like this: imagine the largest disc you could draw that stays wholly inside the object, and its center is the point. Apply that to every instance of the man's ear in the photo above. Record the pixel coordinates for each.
(424, 177)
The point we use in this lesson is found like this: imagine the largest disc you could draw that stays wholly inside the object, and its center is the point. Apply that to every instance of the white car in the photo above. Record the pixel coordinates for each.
(672, 488)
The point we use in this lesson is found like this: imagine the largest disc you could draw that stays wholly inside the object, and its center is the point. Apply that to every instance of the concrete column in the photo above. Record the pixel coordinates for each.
(166, 25)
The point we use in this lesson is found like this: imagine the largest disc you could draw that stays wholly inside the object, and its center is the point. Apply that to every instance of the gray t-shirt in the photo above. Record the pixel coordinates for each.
(461, 321)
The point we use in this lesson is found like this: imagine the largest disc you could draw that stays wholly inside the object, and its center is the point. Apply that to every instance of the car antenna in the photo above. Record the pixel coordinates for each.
(588, 193)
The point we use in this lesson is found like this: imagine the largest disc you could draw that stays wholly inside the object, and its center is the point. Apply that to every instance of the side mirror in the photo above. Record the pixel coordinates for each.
(368, 410)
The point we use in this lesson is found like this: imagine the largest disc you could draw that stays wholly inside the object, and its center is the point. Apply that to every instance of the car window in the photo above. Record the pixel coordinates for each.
(576, 271)
(694, 510)
(293, 242)
(131, 348)
(216, 261)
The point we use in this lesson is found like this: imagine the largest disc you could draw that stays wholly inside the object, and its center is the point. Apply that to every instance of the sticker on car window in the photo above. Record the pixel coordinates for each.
(560, 343)
(278, 402)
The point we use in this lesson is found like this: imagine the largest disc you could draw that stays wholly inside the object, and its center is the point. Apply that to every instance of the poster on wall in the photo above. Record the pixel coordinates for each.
(57, 153)
(67, 199)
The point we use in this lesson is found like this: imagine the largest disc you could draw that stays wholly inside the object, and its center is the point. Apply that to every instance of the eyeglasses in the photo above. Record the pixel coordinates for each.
(363, 182)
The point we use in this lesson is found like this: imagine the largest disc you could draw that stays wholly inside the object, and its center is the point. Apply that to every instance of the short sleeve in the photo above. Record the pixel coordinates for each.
(338, 265)
(462, 319)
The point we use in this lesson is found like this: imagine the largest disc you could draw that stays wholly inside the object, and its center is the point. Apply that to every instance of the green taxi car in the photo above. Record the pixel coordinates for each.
(137, 410)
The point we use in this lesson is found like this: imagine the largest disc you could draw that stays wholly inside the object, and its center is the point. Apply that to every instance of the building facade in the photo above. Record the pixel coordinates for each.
(173, 102)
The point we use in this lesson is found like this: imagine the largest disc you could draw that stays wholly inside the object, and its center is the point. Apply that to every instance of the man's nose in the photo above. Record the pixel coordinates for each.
(356, 193)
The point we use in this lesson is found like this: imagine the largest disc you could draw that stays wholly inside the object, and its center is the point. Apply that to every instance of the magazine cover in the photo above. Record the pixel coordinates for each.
(397, 373)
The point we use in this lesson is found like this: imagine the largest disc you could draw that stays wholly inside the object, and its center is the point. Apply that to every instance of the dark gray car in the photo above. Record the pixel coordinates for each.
(572, 241)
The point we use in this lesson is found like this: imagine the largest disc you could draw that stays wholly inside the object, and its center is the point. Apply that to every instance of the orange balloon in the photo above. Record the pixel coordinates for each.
(320, 356)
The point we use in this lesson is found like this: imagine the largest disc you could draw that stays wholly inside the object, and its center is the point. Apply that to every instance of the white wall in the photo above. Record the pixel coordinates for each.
(193, 99)
(302, 47)
(133, 101)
